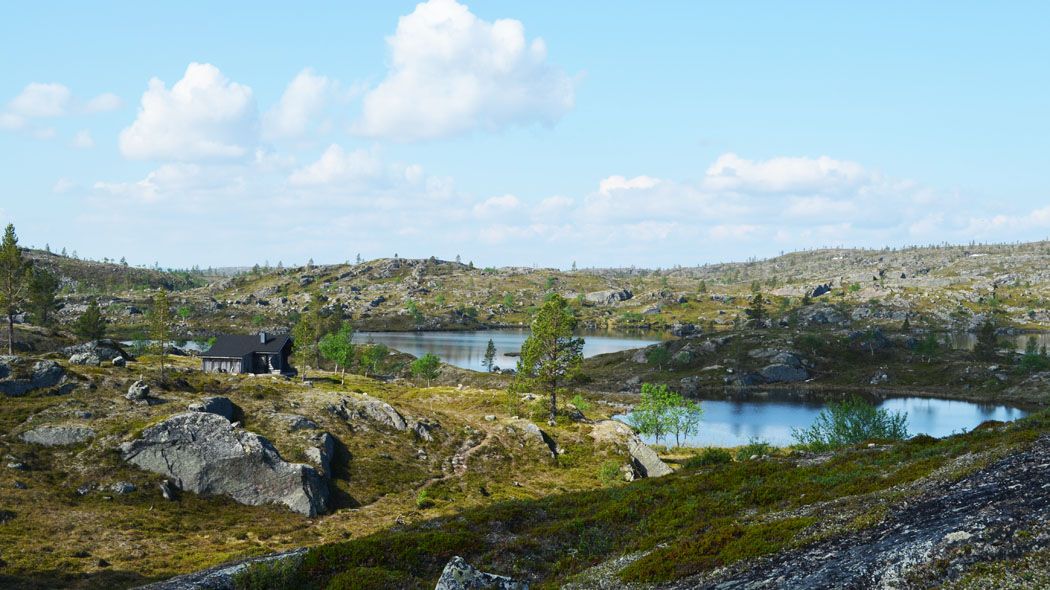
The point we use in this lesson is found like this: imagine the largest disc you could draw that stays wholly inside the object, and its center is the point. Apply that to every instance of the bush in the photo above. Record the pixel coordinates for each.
(609, 472)
(754, 447)
(709, 456)
(851, 422)
(423, 500)
(275, 574)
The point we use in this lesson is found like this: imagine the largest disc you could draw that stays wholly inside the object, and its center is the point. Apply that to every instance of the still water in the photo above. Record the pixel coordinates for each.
(467, 349)
(733, 423)
(967, 340)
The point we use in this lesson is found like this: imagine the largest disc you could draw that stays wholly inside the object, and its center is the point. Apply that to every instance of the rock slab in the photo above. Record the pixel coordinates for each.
(460, 575)
(203, 453)
(216, 404)
(54, 436)
(17, 378)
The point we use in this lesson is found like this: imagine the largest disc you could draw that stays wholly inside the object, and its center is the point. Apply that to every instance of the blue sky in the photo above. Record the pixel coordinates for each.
(523, 133)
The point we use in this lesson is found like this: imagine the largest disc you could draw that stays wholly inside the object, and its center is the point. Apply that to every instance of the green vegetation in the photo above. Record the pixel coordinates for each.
(658, 356)
(490, 356)
(756, 312)
(338, 348)
(709, 456)
(1034, 359)
(15, 274)
(851, 422)
(43, 289)
(662, 412)
(426, 366)
(754, 448)
(160, 327)
(550, 354)
(90, 325)
(987, 347)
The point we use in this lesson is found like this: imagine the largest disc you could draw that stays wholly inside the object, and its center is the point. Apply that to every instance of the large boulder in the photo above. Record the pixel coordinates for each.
(608, 296)
(321, 455)
(460, 575)
(215, 404)
(105, 350)
(203, 453)
(646, 461)
(368, 408)
(783, 373)
(87, 359)
(536, 437)
(18, 378)
(53, 436)
(138, 391)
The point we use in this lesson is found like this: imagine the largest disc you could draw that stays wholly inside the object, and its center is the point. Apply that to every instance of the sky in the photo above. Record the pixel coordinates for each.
(521, 133)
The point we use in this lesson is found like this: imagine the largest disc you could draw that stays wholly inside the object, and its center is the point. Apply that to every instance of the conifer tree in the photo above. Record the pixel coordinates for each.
(90, 325)
(160, 327)
(490, 355)
(550, 354)
(14, 282)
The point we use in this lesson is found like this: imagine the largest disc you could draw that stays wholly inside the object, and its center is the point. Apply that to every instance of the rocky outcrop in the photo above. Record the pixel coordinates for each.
(138, 391)
(54, 436)
(215, 404)
(219, 577)
(783, 373)
(295, 422)
(608, 296)
(371, 409)
(86, 359)
(646, 462)
(321, 455)
(105, 350)
(17, 378)
(460, 575)
(203, 453)
(536, 436)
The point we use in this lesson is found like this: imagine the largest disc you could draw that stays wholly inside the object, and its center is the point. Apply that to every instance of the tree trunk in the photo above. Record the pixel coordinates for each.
(554, 403)
(10, 334)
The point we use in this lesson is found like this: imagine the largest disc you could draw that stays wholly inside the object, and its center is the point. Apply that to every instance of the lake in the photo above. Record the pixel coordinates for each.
(466, 349)
(730, 423)
(967, 340)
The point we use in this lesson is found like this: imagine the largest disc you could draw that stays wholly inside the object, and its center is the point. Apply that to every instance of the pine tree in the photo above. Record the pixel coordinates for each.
(550, 354)
(490, 355)
(43, 287)
(14, 281)
(756, 312)
(987, 347)
(90, 325)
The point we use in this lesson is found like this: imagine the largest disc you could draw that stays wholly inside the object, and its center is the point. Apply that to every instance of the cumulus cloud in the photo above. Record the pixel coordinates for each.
(204, 116)
(104, 103)
(303, 101)
(730, 172)
(41, 100)
(336, 166)
(64, 185)
(497, 206)
(452, 72)
(82, 140)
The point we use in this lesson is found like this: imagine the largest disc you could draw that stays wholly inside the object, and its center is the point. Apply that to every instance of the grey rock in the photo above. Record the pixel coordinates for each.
(879, 378)
(122, 487)
(138, 391)
(18, 465)
(218, 405)
(106, 350)
(53, 436)
(119, 362)
(681, 330)
(369, 408)
(459, 575)
(422, 430)
(783, 373)
(17, 378)
(20, 486)
(296, 422)
(86, 359)
(646, 462)
(203, 453)
(321, 455)
(537, 436)
(220, 577)
(86, 489)
(165, 490)
(608, 296)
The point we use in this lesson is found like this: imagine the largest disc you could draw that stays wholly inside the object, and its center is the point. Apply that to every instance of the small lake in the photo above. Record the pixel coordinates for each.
(967, 340)
(466, 349)
(731, 423)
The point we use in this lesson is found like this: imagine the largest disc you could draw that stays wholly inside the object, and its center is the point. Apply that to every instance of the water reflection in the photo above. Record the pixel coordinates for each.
(467, 349)
(730, 423)
(967, 340)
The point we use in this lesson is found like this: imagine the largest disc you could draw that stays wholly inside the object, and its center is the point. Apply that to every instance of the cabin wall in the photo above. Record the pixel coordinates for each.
(223, 365)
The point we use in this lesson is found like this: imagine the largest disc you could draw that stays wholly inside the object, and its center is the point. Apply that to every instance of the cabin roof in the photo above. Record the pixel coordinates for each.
(239, 345)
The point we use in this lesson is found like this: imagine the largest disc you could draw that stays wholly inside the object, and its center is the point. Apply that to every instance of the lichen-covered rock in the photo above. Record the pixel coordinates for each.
(106, 350)
(371, 409)
(645, 460)
(53, 436)
(220, 577)
(460, 575)
(321, 455)
(536, 436)
(86, 359)
(608, 296)
(17, 378)
(295, 422)
(215, 404)
(783, 373)
(203, 453)
(138, 391)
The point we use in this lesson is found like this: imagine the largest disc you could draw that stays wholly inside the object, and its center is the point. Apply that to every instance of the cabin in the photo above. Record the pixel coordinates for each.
(263, 354)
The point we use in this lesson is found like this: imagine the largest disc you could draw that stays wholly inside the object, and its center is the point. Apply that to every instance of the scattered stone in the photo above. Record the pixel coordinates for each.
(122, 487)
(536, 435)
(85, 489)
(203, 453)
(53, 436)
(218, 405)
(490, 418)
(683, 330)
(18, 465)
(422, 430)
(84, 414)
(296, 422)
(103, 563)
(20, 486)
(81, 554)
(165, 490)
(645, 460)
(138, 391)
(879, 378)
(459, 575)
(119, 362)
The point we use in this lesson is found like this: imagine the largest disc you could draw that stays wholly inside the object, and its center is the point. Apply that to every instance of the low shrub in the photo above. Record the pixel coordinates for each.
(754, 447)
(709, 456)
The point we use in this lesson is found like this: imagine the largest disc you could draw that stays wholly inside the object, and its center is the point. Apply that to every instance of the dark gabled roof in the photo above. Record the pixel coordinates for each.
(239, 345)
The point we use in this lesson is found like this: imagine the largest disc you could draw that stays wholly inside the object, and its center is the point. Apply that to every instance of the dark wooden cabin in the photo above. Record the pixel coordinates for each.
(244, 353)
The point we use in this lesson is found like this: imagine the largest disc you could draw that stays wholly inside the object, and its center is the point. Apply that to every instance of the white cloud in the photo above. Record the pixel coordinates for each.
(303, 101)
(11, 121)
(45, 133)
(452, 72)
(41, 101)
(104, 103)
(64, 185)
(617, 182)
(354, 169)
(784, 175)
(497, 206)
(204, 116)
(82, 140)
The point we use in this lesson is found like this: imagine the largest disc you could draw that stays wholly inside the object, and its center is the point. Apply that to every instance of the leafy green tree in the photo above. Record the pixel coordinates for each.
(90, 325)
(684, 419)
(43, 288)
(413, 311)
(651, 415)
(338, 347)
(490, 356)
(426, 366)
(756, 312)
(1033, 359)
(658, 356)
(702, 288)
(987, 347)
(14, 282)
(851, 422)
(375, 356)
(928, 348)
(310, 329)
(508, 300)
(550, 354)
(160, 327)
